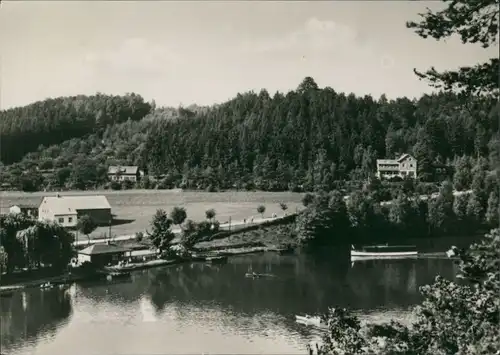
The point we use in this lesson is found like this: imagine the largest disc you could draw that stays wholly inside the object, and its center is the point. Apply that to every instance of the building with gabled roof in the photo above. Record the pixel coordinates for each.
(404, 166)
(101, 254)
(67, 209)
(123, 173)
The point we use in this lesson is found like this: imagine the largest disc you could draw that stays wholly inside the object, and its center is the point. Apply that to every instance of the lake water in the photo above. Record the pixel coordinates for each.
(195, 308)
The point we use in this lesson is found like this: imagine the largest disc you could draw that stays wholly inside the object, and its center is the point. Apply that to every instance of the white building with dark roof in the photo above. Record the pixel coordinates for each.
(67, 209)
(123, 173)
(102, 254)
(404, 166)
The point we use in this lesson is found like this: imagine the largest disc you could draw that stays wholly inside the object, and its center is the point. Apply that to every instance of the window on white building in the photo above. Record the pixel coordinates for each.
(70, 219)
(60, 220)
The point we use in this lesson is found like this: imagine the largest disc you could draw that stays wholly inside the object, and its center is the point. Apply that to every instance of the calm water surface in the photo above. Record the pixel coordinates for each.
(195, 308)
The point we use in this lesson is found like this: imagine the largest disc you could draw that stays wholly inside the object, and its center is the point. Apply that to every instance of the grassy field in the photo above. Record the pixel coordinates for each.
(134, 208)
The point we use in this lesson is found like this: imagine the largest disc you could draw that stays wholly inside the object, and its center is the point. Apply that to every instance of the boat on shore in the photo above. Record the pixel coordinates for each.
(115, 274)
(310, 320)
(6, 294)
(286, 251)
(47, 285)
(256, 275)
(216, 259)
(384, 251)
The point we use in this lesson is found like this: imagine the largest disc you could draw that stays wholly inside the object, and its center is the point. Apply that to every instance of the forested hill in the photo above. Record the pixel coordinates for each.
(309, 136)
(317, 135)
(53, 121)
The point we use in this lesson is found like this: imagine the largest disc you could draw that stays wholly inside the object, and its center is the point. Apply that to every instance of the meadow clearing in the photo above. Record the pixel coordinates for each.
(133, 209)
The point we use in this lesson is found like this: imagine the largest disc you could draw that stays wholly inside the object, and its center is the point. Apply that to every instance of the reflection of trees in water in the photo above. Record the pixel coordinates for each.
(45, 312)
(376, 283)
(119, 291)
(300, 284)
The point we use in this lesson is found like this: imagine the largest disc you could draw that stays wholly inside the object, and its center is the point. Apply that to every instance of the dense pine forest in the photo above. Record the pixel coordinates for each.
(305, 139)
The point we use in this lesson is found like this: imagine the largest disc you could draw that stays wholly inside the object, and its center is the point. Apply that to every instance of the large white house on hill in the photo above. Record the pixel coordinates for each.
(67, 209)
(404, 166)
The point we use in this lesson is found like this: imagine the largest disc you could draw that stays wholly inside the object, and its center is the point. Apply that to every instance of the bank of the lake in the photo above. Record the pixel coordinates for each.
(213, 304)
(272, 235)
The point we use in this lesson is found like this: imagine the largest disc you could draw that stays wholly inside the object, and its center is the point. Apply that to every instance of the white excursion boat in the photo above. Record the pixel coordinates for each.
(384, 251)
(309, 320)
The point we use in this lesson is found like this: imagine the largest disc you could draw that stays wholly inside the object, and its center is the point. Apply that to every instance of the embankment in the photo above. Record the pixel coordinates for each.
(275, 234)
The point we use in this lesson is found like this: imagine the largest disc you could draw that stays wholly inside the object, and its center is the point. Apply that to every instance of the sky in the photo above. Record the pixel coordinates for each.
(205, 52)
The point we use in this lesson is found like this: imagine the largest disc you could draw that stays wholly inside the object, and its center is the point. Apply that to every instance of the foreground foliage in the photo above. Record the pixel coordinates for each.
(473, 22)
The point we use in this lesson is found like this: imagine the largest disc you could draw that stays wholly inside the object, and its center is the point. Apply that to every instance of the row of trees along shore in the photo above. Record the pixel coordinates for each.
(329, 218)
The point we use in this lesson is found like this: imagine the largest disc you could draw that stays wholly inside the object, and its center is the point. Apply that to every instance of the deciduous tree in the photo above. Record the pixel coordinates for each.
(86, 225)
(210, 214)
(161, 233)
(261, 209)
(178, 215)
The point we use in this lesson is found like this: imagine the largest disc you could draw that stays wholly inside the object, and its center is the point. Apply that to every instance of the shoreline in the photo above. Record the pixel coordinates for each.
(243, 240)
(201, 255)
(66, 278)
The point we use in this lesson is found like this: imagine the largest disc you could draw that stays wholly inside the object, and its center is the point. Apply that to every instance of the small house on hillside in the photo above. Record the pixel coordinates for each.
(67, 209)
(26, 209)
(123, 173)
(404, 166)
(102, 254)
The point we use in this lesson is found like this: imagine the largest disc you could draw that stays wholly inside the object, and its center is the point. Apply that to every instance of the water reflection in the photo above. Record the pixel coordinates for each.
(28, 316)
(196, 307)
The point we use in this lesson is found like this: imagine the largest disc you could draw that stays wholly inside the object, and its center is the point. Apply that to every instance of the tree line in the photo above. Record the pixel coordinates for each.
(53, 121)
(309, 139)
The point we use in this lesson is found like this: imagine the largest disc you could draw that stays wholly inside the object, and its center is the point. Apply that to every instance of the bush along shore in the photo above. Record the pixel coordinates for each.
(329, 219)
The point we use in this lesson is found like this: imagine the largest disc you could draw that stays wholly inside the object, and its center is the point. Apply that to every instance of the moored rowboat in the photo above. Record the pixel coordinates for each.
(255, 275)
(310, 320)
